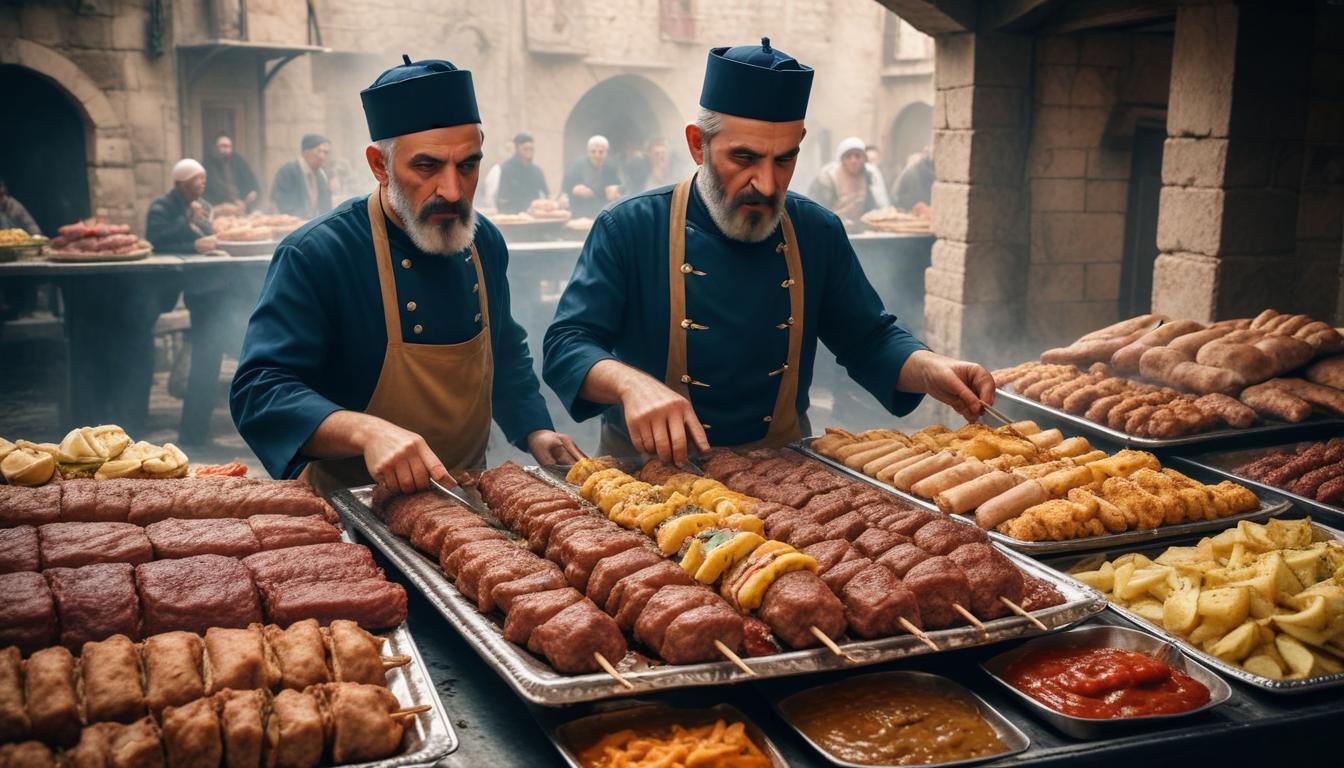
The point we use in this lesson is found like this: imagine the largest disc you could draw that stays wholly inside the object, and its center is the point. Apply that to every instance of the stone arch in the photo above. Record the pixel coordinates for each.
(108, 149)
(911, 130)
(625, 109)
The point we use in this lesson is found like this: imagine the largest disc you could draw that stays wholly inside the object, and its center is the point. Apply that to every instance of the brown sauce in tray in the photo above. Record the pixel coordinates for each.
(875, 722)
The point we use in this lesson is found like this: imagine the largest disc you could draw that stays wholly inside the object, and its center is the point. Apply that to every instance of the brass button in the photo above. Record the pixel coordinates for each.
(768, 419)
(405, 263)
(418, 328)
(706, 426)
(782, 247)
(786, 324)
(476, 288)
(788, 283)
(410, 306)
(780, 370)
(685, 379)
(686, 323)
(686, 269)
(477, 318)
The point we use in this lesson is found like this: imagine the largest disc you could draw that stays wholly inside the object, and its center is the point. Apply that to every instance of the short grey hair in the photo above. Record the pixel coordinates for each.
(598, 141)
(710, 123)
(387, 147)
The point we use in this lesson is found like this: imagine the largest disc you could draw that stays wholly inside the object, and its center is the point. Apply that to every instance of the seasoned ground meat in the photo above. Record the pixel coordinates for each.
(990, 575)
(875, 541)
(462, 536)
(71, 545)
(451, 560)
(809, 534)
(798, 601)
(1037, 594)
(469, 573)
(98, 601)
(829, 553)
(875, 601)
(939, 584)
(19, 551)
(196, 593)
(691, 635)
(499, 573)
(781, 525)
(756, 638)
(27, 612)
(941, 536)
(610, 570)
(910, 522)
(531, 611)
(632, 593)
(570, 639)
(581, 551)
(825, 507)
(848, 526)
(567, 528)
(665, 605)
(506, 592)
(836, 578)
(902, 557)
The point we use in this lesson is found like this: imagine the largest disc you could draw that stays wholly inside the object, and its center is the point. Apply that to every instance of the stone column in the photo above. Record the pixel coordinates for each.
(1232, 163)
(976, 285)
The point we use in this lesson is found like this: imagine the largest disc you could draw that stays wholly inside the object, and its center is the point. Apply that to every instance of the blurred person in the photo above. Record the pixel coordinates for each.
(179, 221)
(488, 200)
(17, 296)
(229, 179)
(915, 184)
(755, 276)
(383, 341)
(520, 179)
(300, 187)
(13, 215)
(591, 182)
(651, 169)
(848, 185)
(874, 154)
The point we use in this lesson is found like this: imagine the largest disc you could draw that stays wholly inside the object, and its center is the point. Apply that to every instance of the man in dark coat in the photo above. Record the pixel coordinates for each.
(300, 187)
(520, 178)
(228, 177)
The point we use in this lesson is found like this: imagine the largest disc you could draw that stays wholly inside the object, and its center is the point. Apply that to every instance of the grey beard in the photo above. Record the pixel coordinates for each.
(744, 227)
(445, 240)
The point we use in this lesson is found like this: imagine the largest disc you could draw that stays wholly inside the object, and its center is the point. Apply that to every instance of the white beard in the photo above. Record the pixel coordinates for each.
(744, 227)
(447, 239)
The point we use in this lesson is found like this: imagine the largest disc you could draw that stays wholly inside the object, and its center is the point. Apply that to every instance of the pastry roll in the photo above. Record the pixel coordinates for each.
(971, 494)
(1009, 504)
(949, 478)
(924, 468)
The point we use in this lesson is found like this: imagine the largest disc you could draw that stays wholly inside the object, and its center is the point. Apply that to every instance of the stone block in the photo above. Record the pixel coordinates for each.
(1077, 237)
(942, 323)
(1069, 127)
(1094, 87)
(998, 107)
(110, 150)
(958, 104)
(113, 187)
(41, 23)
(128, 31)
(1108, 195)
(1247, 286)
(1055, 282)
(1108, 49)
(980, 156)
(940, 110)
(89, 31)
(954, 60)
(1203, 63)
(1185, 286)
(1103, 282)
(1054, 83)
(1190, 219)
(104, 67)
(976, 272)
(1057, 163)
(1057, 49)
(1316, 288)
(1108, 164)
(1057, 195)
(1188, 162)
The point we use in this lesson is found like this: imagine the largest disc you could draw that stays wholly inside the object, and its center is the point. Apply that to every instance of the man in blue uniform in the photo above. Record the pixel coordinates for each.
(383, 337)
(694, 311)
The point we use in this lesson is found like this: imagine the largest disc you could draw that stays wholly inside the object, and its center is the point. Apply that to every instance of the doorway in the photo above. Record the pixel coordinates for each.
(1145, 190)
(43, 150)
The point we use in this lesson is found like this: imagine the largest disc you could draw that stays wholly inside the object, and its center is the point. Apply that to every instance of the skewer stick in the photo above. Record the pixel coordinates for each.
(610, 670)
(392, 662)
(417, 709)
(829, 643)
(919, 633)
(970, 618)
(733, 657)
(1020, 611)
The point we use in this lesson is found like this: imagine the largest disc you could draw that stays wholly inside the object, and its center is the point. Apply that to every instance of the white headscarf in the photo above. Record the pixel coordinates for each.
(849, 145)
(187, 168)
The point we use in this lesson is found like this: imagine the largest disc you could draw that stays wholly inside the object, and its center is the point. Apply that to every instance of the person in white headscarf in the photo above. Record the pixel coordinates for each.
(179, 221)
(848, 185)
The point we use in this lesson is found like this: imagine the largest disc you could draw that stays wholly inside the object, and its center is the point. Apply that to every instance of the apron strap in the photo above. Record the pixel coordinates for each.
(382, 253)
(784, 425)
(676, 291)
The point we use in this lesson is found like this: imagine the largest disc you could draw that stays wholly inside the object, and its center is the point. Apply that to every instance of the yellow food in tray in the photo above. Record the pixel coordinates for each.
(1266, 597)
(720, 745)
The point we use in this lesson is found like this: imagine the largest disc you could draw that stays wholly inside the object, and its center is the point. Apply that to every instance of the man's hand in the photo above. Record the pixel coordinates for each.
(582, 190)
(958, 383)
(251, 197)
(553, 448)
(660, 421)
(399, 458)
(207, 243)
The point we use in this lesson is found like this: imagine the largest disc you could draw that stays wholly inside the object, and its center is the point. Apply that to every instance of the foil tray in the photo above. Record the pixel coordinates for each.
(1063, 564)
(537, 682)
(1279, 428)
(1222, 463)
(430, 736)
(1272, 503)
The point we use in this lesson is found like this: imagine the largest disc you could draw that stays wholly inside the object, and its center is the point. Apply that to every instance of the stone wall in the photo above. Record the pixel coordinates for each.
(1320, 254)
(1089, 90)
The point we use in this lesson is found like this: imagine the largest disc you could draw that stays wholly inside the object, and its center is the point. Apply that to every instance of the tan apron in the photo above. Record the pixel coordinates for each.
(440, 391)
(785, 425)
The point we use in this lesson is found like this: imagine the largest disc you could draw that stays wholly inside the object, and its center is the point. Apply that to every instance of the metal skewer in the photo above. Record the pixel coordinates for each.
(611, 670)
(1020, 611)
(1006, 421)
(455, 493)
(733, 657)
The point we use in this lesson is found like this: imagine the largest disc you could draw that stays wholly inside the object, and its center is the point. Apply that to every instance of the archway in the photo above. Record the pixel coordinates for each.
(911, 131)
(43, 156)
(627, 109)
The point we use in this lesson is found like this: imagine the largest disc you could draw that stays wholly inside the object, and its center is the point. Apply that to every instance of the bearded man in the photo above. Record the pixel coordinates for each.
(383, 342)
(694, 311)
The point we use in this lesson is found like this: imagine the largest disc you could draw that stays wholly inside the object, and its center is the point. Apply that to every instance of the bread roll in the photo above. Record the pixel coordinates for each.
(1328, 372)
(971, 494)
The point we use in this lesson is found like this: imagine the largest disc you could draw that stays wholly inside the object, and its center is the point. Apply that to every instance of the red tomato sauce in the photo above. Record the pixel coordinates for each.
(1105, 683)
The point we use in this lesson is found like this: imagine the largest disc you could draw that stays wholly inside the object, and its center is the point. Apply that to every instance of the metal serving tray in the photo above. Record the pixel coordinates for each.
(1276, 428)
(1222, 464)
(430, 736)
(573, 736)
(1014, 740)
(537, 682)
(1063, 564)
(1106, 636)
(1271, 503)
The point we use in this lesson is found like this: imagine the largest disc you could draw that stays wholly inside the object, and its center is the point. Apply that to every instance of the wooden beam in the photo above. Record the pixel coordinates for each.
(1100, 14)
(1017, 15)
(935, 17)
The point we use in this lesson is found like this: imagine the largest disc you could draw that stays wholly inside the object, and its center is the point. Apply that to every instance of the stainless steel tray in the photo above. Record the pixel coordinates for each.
(1014, 740)
(1222, 464)
(1106, 636)
(430, 736)
(1063, 564)
(570, 737)
(1278, 428)
(537, 682)
(1271, 503)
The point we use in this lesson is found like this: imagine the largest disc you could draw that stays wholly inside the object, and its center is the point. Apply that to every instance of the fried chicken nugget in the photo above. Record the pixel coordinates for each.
(1146, 509)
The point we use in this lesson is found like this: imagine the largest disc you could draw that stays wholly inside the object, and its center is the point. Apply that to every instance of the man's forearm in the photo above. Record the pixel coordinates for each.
(607, 381)
(339, 436)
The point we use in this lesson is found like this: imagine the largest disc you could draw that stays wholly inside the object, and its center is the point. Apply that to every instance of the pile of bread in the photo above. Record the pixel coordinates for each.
(253, 228)
(104, 452)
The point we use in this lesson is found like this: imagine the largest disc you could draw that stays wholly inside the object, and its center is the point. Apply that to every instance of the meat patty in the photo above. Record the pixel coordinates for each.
(809, 534)
(836, 578)
(632, 593)
(690, 636)
(991, 575)
(469, 574)
(567, 528)
(902, 557)
(665, 605)
(28, 612)
(462, 536)
(875, 541)
(19, 550)
(451, 561)
(848, 526)
(505, 593)
(941, 536)
(283, 531)
(909, 523)
(581, 551)
(96, 602)
(798, 601)
(825, 507)
(503, 572)
(371, 603)
(173, 538)
(571, 639)
(613, 568)
(876, 601)
(829, 553)
(781, 525)
(71, 545)
(939, 584)
(196, 593)
(30, 506)
(531, 611)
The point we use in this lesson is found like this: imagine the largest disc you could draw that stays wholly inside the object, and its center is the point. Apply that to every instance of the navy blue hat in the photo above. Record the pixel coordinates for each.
(756, 82)
(414, 97)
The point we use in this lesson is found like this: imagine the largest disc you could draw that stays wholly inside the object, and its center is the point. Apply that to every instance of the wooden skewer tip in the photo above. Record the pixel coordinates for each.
(970, 618)
(830, 644)
(733, 657)
(408, 711)
(392, 662)
(1020, 611)
(919, 633)
(611, 670)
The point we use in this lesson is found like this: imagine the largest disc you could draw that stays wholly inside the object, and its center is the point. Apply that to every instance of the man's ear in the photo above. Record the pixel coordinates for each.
(694, 144)
(377, 163)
